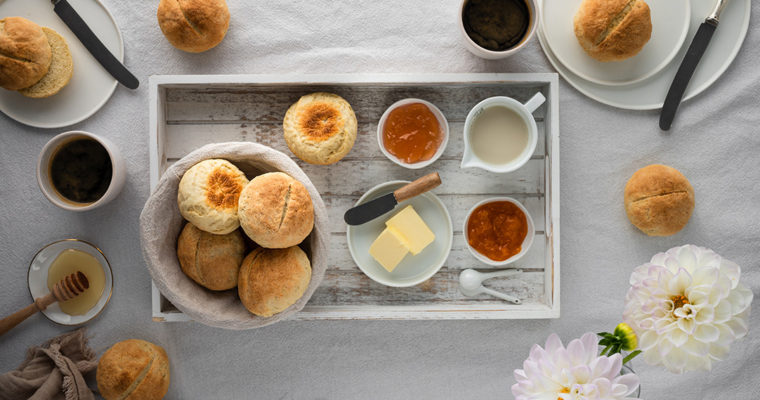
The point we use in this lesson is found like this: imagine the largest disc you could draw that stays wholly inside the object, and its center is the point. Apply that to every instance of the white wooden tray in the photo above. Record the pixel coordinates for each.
(189, 111)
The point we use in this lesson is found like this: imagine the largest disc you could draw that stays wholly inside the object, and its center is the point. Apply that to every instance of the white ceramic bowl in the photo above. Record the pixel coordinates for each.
(481, 52)
(413, 269)
(441, 120)
(527, 242)
(118, 169)
(161, 223)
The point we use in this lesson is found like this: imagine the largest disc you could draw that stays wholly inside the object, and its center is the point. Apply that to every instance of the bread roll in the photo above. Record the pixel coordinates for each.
(272, 280)
(212, 261)
(208, 195)
(133, 370)
(193, 25)
(276, 211)
(320, 128)
(659, 200)
(25, 53)
(613, 30)
(60, 71)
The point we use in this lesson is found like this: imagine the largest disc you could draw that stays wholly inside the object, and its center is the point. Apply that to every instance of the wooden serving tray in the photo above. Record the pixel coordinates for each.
(187, 112)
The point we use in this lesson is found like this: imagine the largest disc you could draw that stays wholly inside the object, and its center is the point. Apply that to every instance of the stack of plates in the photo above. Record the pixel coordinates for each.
(641, 82)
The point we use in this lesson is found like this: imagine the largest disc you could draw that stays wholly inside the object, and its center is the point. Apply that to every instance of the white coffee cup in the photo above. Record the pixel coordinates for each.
(525, 111)
(118, 171)
(479, 51)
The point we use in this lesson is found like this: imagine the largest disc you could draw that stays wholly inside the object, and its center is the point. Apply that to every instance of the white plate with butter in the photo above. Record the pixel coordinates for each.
(412, 269)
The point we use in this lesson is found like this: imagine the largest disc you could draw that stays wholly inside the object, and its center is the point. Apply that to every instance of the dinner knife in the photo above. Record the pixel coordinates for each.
(689, 65)
(98, 50)
(374, 208)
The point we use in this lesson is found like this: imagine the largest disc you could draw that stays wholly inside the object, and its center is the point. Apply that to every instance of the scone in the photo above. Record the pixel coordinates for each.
(133, 369)
(25, 53)
(320, 128)
(276, 211)
(272, 280)
(193, 25)
(212, 261)
(659, 200)
(613, 30)
(60, 71)
(208, 195)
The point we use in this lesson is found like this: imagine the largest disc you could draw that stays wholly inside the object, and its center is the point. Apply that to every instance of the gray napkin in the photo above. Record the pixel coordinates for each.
(53, 370)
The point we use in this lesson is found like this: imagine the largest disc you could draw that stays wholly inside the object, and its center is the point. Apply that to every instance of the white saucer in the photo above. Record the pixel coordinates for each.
(413, 269)
(650, 94)
(670, 24)
(38, 274)
(90, 86)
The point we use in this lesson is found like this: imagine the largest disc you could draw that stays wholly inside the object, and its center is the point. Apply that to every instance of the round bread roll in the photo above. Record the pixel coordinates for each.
(613, 30)
(272, 280)
(212, 261)
(60, 71)
(276, 211)
(659, 200)
(193, 25)
(208, 195)
(25, 53)
(133, 369)
(320, 128)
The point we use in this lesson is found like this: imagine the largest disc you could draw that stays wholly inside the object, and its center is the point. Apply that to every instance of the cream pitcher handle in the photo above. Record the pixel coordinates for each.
(535, 102)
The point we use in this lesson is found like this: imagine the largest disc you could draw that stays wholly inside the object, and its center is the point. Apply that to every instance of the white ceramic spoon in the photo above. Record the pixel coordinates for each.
(471, 283)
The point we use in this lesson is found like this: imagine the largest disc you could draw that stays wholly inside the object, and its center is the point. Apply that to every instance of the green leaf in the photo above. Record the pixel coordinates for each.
(606, 349)
(631, 356)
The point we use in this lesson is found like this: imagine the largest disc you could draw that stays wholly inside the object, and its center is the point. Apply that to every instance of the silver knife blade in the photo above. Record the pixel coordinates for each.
(91, 42)
(370, 210)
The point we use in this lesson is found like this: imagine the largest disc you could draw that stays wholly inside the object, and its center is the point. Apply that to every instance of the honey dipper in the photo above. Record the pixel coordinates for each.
(67, 288)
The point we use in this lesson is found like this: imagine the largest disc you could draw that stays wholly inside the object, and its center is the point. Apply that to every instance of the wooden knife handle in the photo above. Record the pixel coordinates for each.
(417, 187)
(19, 316)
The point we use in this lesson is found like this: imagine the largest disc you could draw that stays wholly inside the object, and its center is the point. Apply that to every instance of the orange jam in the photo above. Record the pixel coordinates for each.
(497, 230)
(412, 133)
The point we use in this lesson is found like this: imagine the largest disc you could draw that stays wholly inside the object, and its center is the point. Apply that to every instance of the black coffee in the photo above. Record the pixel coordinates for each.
(496, 25)
(81, 170)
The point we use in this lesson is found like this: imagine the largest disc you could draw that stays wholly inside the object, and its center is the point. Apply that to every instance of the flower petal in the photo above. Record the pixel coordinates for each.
(706, 333)
(681, 281)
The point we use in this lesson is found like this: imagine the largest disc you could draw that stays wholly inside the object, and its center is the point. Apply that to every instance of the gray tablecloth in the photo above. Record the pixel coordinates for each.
(715, 143)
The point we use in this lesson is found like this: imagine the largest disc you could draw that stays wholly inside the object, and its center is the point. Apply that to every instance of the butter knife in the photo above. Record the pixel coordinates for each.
(98, 50)
(374, 208)
(689, 65)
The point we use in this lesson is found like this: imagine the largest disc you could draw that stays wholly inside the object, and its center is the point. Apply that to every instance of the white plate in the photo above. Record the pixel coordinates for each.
(90, 86)
(413, 269)
(38, 274)
(650, 94)
(670, 24)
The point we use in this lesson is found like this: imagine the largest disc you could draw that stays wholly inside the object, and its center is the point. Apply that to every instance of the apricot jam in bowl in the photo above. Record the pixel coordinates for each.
(498, 231)
(413, 133)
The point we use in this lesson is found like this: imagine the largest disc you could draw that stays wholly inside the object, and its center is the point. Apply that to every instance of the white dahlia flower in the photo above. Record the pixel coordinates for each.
(572, 373)
(687, 307)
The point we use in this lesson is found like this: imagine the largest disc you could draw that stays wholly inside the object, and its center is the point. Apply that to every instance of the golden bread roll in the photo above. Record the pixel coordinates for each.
(133, 369)
(659, 200)
(320, 128)
(193, 25)
(272, 280)
(276, 211)
(25, 53)
(613, 30)
(212, 261)
(208, 195)
(60, 71)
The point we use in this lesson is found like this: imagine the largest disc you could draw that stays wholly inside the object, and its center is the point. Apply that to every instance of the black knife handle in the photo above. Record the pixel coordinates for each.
(685, 72)
(94, 45)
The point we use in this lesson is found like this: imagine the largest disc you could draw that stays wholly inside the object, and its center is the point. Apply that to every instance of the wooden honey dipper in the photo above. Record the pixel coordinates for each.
(67, 288)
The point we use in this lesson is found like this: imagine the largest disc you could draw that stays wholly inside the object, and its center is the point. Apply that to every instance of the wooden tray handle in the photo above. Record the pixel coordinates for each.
(417, 187)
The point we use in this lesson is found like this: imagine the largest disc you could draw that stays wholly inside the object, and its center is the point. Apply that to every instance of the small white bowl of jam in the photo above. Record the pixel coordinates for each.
(499, 231)
(413, 133)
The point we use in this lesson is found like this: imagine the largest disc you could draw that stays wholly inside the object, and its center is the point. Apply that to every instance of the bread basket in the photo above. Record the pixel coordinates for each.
(161, 222)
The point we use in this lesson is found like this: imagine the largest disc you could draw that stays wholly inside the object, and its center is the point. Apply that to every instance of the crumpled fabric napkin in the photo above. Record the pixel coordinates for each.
(55, 370)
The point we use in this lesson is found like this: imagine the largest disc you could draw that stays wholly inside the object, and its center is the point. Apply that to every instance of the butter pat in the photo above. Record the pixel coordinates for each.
(412, 230)
(388, 249)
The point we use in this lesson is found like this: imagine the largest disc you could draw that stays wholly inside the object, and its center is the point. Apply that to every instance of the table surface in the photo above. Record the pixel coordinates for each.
(714, 143)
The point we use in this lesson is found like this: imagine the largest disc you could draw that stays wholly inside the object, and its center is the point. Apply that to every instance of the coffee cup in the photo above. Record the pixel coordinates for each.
(500, 133)
(104, 183)
(477, 40)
